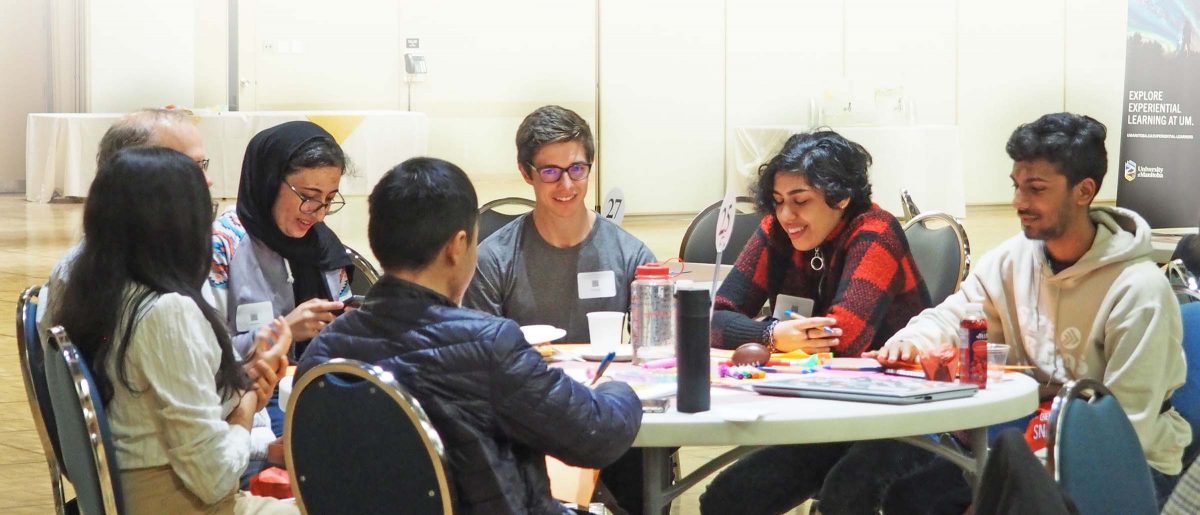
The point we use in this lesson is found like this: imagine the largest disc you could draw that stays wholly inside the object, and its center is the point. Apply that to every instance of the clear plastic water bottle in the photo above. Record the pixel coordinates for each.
(652, 313)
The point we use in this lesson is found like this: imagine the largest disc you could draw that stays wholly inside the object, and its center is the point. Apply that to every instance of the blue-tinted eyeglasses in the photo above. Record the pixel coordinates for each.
(552, 174)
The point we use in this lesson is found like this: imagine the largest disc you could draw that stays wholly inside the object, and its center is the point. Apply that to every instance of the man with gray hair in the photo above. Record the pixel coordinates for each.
(169, 128)
(173, 129)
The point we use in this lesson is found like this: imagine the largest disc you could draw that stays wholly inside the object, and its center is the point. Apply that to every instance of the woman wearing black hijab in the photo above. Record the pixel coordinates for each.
(273, 255)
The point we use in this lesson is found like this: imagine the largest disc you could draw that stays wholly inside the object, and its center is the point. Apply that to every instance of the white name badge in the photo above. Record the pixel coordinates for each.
(252, 316)
(597, 285)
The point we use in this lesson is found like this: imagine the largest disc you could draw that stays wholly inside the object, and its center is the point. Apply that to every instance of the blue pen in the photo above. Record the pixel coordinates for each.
(604, 363)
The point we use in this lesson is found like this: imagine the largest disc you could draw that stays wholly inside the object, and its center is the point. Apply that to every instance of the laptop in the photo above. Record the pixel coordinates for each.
(879, 388)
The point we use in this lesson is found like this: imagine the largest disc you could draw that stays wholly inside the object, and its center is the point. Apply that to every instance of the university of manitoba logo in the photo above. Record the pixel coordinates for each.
(1135, 171)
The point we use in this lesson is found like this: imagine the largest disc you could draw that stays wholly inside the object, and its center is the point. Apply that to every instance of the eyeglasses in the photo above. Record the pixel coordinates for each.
(552, 174)
(203, 164)
(309, 206)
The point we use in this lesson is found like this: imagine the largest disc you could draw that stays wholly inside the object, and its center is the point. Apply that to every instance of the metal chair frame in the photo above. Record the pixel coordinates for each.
(61, 345)
(515, 201)
(907, 205)
(30, 297)
(385, 382)
(506, 201)
(691, 228)
(363, 266)
(964, 244)
(1081, 389)
(1183, 282)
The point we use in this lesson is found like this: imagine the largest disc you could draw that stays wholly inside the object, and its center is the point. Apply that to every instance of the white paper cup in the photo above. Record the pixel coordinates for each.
(605, 328)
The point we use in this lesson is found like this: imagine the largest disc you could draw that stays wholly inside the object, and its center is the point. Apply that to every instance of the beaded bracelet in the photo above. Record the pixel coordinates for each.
(769, 336)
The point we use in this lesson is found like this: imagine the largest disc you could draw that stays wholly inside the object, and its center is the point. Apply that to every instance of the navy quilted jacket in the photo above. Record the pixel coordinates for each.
(496, 405)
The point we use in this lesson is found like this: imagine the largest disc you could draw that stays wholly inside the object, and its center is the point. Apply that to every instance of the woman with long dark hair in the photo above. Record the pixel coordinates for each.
(180, 405)
(273, 255)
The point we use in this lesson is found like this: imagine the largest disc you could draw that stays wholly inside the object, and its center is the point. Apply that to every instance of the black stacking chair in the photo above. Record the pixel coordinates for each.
(82, 428)
(357, 442)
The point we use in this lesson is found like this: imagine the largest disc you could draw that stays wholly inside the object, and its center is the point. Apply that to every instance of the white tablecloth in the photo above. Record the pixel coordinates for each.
(60, 148)
(925, 159)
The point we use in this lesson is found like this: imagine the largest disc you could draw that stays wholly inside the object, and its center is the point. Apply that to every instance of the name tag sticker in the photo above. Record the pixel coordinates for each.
(597, 285)
(252, 316)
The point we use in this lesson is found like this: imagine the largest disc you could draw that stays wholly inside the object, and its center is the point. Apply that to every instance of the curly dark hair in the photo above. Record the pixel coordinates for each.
(828, 161)
(1073, 143)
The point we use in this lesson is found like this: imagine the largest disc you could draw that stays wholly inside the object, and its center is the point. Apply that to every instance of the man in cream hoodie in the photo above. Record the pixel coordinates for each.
(1076, 295)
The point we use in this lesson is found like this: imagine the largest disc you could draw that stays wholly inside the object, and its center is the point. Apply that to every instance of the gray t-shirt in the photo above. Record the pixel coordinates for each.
(523, 278)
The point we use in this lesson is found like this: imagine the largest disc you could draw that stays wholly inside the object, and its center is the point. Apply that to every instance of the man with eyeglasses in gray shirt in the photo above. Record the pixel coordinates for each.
(561, 261)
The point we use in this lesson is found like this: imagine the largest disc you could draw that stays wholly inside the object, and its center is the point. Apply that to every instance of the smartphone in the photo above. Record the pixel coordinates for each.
(798, 305)
(355, 301)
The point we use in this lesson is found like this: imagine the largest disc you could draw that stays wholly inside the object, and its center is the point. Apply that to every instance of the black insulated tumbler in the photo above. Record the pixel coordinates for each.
(691, 349)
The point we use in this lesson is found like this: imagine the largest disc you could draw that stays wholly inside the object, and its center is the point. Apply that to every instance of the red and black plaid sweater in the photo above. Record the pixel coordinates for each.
(869, 284)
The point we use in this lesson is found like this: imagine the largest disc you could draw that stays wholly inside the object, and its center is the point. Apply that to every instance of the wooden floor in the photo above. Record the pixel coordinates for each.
(32, 236)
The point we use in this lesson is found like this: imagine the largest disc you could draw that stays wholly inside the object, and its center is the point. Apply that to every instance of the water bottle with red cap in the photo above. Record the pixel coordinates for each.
(652, 313)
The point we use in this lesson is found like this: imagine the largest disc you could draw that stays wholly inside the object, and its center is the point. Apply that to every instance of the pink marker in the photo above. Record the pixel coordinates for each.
(659, 364)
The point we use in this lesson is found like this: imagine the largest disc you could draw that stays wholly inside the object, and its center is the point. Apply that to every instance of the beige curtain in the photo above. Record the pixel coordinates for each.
(68, 56)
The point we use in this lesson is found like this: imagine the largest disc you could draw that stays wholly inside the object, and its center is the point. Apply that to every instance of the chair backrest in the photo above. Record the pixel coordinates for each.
(699, 241)
(32, 356)
(907, 205)
(82, 428)
(1183, 282)
(1187, 398)
(941, 250)
(357, 442)
(365, 273)
(1093, 452)
(491, 220)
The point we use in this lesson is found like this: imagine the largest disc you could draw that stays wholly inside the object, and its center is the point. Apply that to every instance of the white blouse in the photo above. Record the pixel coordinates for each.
(174, 415)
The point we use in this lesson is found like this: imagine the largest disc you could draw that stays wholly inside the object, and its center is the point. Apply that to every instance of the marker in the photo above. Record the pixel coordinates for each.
(608, 359)
(825, 329)
(659, 364)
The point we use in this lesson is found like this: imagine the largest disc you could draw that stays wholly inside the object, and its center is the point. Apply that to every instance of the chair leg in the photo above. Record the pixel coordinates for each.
(676, 467)
(56, 489)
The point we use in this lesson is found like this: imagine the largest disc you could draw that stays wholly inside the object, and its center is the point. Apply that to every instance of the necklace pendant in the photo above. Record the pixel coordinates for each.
(817, 262)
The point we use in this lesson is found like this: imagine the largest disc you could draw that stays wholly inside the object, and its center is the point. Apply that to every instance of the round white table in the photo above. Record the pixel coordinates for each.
(750, 422)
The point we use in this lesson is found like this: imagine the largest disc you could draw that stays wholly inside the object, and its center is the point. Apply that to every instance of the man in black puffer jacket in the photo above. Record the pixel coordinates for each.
(497, 407)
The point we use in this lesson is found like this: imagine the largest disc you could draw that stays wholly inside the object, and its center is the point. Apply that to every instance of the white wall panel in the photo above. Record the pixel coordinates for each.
(27, 66)
(663, 102)
(909, 44)
(1095, 73)
(313, 54)
(492, 63)
(141, 54)
(781, 54)
(1010, 71)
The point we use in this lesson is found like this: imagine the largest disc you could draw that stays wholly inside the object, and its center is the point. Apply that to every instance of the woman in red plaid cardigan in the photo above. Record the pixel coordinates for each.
(821, 239)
